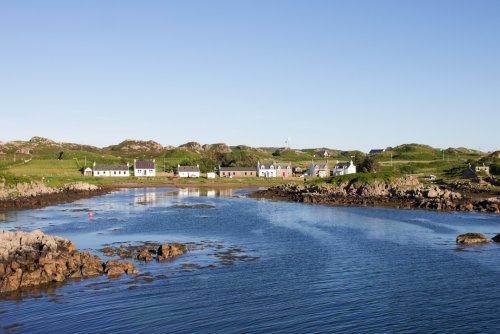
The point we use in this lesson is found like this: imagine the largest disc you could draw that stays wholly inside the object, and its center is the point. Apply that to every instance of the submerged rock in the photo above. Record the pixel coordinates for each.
(496, 238)
(472, 239)
(170, 250)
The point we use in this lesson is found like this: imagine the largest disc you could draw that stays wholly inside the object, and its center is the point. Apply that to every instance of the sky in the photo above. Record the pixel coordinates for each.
(339, 74)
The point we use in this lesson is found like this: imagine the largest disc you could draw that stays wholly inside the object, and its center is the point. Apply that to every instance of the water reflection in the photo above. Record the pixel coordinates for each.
(321, 269)
(203, 192)
(145, 198)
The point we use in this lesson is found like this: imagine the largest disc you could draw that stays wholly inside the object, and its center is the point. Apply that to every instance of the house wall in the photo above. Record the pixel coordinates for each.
(112, 173)
(237, 174)
(189, 174)
(144, 172)
(344, 171)
(267, 172)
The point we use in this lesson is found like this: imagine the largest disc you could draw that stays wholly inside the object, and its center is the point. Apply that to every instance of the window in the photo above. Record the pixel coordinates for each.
(234, 173)
(245, 173)
(114, 172)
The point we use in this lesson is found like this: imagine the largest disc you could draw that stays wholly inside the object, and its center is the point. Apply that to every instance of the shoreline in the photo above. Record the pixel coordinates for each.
(465, 202)
(67, 196)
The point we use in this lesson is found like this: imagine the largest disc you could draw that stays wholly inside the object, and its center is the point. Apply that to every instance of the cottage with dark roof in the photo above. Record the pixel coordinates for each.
(111, 170)
(144, 168)
(376, 151)
(344, 168)
(274, 170)
(237, 172)
(319, 169)
(188, 171)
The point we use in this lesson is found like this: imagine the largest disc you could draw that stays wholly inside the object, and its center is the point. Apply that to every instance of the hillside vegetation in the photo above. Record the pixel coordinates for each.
(44, 158)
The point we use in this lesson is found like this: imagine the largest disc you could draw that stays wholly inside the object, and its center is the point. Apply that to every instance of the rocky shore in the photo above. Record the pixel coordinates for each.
(38, 194)
(30, 259)
(405, 193)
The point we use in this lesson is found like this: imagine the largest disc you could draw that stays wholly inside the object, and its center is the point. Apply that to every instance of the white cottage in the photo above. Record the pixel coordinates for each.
(344, 168)
(144, 168)
(188, 171)
(274, 170)
(111, 170)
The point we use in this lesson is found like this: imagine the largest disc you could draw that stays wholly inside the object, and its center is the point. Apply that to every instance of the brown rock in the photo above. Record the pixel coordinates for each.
(166, 251)
(91, 265)
(12, 281)
(114, 268)
(31, 278)
(144, 255)
(470, 239)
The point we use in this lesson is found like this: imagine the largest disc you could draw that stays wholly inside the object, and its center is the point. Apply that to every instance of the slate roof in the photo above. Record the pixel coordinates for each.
(342, 164)
(284, 166)
(110, 167)
(188, 169)
(142, 164)
(268, 166)
(321, 165)
(376, 151)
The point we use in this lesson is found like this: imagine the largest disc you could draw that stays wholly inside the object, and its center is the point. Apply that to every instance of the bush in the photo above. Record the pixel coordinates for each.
(495, 169)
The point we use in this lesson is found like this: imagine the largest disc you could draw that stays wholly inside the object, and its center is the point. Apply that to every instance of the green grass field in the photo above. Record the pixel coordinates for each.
(62, 164)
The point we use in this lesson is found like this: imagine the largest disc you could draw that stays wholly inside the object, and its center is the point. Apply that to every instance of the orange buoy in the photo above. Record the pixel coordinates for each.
(91, 215)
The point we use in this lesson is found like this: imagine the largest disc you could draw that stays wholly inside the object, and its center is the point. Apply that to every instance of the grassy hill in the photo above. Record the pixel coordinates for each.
(41, 157)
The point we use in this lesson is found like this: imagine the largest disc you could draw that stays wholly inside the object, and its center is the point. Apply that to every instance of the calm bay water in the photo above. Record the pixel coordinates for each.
(319, 269)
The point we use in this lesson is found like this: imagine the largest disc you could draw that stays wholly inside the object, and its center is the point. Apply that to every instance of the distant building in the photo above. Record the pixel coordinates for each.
(111, 170)
(237, 172)
(188, 171)
(87, 171)
(144, 168)
(474, 172)
(210, 175)
(323, 154)
(319, 169)
(274, 170)
(376, 151)
(344, 168)
(298, 171)
(482, 169)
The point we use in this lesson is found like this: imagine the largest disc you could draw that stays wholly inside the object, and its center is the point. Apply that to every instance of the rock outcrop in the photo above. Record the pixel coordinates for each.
(496, 238)
(405, 192)
(148, 251)
(469, 239)
(37, 193)
(29, 259)
(166, 251)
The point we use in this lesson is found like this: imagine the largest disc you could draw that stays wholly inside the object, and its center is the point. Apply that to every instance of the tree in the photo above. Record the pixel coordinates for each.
(369, 165)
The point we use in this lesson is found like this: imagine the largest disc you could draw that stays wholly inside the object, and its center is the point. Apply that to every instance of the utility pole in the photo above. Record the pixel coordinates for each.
(391, 158)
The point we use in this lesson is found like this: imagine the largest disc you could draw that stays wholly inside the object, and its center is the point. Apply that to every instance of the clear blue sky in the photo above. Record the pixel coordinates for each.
(340, 74)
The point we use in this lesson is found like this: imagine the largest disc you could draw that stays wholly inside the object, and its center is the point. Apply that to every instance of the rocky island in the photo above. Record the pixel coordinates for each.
(29, 259)
(406, 193)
